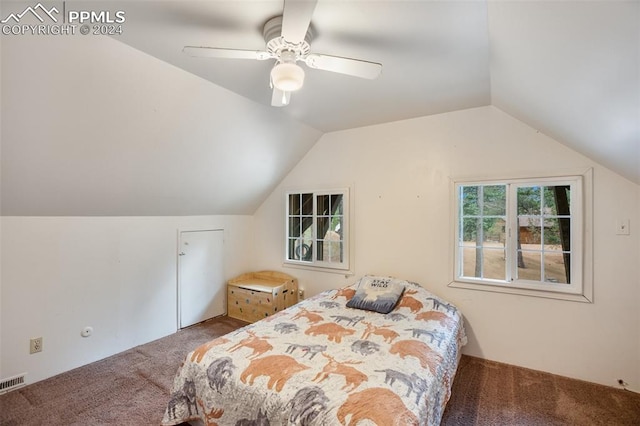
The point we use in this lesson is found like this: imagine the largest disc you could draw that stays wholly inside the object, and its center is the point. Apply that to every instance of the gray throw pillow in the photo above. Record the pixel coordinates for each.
(378, 294)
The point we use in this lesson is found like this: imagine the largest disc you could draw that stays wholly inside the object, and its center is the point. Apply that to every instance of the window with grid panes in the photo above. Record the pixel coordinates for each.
(521, 234)
(317, 228)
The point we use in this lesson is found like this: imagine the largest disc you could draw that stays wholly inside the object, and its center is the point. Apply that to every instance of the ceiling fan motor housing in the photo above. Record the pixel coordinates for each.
(277, 45)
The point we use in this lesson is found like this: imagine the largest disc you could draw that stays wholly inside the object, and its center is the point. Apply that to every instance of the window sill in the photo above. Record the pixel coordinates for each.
(496, 288)
(345, 272)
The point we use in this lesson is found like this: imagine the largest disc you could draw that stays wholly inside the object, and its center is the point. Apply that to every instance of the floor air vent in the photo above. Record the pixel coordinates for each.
(12, 383)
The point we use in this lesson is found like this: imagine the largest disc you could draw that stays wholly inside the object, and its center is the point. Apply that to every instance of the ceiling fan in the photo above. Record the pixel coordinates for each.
(288, 39)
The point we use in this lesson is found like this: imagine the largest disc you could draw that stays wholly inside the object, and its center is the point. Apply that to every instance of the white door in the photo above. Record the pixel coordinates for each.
(201, 285)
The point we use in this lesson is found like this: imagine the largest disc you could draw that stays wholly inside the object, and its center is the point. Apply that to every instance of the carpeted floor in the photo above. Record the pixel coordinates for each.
(492, 393)
(132, 388)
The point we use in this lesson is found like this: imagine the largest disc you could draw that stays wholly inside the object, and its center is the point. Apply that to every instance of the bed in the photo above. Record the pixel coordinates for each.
(321, 362)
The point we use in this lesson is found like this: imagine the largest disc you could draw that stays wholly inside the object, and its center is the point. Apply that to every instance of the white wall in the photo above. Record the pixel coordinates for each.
(1, 372)
(636, 229)
(400, 174)
(116, 274)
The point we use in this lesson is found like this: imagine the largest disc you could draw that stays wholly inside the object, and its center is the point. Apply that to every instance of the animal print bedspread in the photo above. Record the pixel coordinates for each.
(321, 363)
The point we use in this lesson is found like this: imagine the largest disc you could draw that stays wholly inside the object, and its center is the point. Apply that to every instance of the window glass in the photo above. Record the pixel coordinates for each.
(317, 230)
(519, 234)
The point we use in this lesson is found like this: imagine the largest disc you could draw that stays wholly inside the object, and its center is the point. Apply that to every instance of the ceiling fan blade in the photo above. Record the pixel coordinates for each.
(217, 52)
(354, 67)
(280, 98)
(296, 19)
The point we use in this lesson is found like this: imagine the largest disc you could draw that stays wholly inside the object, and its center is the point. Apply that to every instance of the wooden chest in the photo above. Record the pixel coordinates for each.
(256, 295)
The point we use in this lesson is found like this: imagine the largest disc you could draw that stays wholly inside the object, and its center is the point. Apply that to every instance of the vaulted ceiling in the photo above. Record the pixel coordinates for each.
(92, 126)
(570, 69)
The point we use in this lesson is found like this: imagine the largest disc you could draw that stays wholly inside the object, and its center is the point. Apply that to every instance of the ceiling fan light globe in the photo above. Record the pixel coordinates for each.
(287, 77)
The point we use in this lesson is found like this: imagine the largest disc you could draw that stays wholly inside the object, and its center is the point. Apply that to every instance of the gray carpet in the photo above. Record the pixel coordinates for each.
(132, 388)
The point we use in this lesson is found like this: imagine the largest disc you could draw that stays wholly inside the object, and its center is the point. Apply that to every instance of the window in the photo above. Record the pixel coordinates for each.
(317, 229)
(521, 236)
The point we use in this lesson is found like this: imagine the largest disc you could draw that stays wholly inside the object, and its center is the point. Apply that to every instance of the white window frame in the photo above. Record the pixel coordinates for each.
(581, 287)
(314, 264)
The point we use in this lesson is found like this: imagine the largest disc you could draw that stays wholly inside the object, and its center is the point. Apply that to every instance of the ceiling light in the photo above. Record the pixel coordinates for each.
(287, 76)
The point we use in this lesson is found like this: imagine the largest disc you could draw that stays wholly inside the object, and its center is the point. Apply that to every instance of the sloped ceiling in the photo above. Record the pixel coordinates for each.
(570, 69)
(435, 55)
(92, 126)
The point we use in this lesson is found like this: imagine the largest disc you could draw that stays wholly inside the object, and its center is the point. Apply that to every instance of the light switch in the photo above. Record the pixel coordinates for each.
(622, 227)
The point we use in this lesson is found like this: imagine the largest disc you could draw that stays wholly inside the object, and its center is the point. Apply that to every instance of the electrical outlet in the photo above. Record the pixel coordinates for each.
(35, 345)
